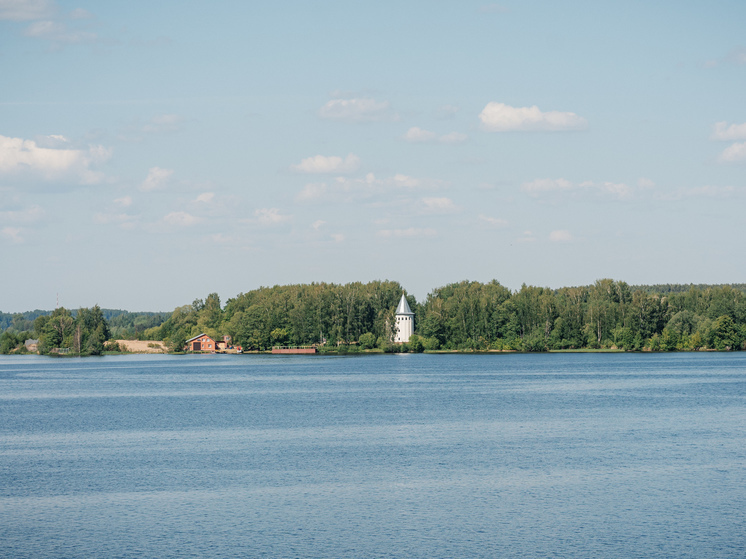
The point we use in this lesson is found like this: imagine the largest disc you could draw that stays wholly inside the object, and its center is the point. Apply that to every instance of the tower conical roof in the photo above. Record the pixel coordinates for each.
(403, 307)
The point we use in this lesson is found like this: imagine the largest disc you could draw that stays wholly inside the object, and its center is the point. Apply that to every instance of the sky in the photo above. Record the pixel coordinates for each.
(152, 153)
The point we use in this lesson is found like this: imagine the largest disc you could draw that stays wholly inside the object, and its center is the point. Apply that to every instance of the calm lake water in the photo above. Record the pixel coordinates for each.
(562, 455)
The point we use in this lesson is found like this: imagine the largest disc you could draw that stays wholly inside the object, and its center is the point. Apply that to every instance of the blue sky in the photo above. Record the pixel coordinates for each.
(154, 152)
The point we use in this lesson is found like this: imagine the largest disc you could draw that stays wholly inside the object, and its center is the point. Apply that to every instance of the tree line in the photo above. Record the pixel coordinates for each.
(18, 327)
(470, 316)
(83, 332)
(607, 314)
(459, 316)
(318, 313)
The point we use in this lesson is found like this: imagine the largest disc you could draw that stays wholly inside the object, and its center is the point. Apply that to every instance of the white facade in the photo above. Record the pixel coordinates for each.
(404, 322)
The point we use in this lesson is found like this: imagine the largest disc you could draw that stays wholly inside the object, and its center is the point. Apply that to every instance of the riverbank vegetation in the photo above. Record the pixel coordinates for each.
(62, 332)
(466, 316)
(471, 316)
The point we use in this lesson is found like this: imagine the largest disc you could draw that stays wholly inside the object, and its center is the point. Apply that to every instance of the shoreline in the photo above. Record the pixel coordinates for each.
(378, 352)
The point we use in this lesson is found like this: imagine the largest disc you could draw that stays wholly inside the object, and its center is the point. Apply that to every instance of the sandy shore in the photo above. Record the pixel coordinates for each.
(138, 346)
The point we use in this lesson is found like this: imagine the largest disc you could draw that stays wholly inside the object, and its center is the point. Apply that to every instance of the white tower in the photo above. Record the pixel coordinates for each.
(404, 322)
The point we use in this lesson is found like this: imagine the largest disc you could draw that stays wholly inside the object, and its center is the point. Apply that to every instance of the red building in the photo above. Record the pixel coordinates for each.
(203, 342)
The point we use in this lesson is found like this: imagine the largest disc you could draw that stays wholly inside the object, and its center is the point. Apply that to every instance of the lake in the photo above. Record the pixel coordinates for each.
(540, 455)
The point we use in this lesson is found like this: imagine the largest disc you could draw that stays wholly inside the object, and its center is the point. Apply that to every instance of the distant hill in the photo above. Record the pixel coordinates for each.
(125, 324)
(121, 322)
(23, 321)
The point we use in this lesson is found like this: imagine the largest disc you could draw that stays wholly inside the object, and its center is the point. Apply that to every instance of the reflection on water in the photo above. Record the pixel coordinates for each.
(572, 455)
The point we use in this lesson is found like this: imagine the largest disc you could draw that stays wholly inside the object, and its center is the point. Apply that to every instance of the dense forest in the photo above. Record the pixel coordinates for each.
(319, 313)
(460, 316)
(472, 316)
(80, 332)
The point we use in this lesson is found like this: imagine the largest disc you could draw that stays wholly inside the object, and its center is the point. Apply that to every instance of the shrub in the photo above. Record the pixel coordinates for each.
(114, 346)
(416, 345)
(367, 341)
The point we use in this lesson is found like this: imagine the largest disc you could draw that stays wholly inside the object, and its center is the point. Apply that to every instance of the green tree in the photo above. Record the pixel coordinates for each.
(57, 331)
(9, 342)
(279, 336)
(415, 344)
(655, 342)
(725, 334)
(367, 340)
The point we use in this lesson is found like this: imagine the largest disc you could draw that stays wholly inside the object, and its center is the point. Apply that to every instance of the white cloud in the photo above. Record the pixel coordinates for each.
(401, 180)
(12, 233)
(357, 110)
(26, 10)
(713, 191)
(734, 153)
(125, 221)
(737, 55)
(317, 224)
(453, 138)
(493, 221)
(538, 186)
(721, 131)
(59, 33)
(312, 191)
(48, 23)
(124, 201)
(439, 206)
(645, 183)
(20, 156)
(526, 237)
(157, 179)
(28, 215)
(620, 191)
(370, 185)
(54, 141)
(411, 232)
(338, 237)
(44, 28)
(321, 164)
(270, 216)
(158, 124)
(205, 197)
(222, 239)
(499, 117)
(181, 219)
(417, 135)
(708, 191)
(80, 13)
(560, 236)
